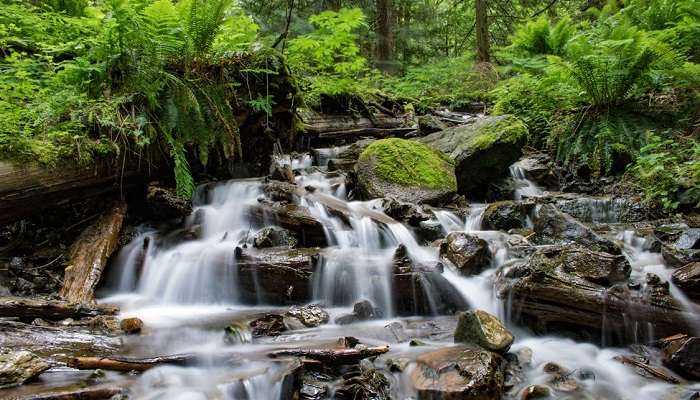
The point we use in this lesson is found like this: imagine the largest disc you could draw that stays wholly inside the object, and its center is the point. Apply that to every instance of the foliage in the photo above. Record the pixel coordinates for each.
(667, 168)
(533, 41)
(409, 163)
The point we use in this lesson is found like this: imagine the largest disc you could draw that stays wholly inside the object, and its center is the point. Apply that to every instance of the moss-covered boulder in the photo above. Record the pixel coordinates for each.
(405, 170)
(482, 151)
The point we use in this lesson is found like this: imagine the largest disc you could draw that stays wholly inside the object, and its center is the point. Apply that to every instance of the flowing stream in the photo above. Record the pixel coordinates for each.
(186, 290)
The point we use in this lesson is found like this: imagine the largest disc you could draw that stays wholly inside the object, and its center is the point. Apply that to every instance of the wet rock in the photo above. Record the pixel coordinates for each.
(397, 364)
(468, 253)
(281, 191)
(602, 209)
(555, 227)
(482, 151)
(267, 325)
(506, 215)
(573, 291)
(408, 213)
(534, 392)
(684, 357)
(237, 333)
(428, 177)
(689, 239)
(282, 173)
(426, 293)
(274, 236)
(540, 169)
(362, 383)
(292, 217)
(483, 329)
(676, 257)
(402, 263)
(429, 231)
(310, 316)
(163, 203)
(428, 124)
(17, 367)
(458, 372)
(687, 279)
(361, 311)
(131, 326)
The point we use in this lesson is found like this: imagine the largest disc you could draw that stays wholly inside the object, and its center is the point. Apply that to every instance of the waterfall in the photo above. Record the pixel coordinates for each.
(523, 186)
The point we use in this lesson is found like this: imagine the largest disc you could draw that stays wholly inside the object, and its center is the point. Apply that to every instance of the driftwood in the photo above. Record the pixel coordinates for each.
(28, 309)
(89, 255)
(48, 341)
(647, 370)
(97, 393)
(129, 364)
(333, 356)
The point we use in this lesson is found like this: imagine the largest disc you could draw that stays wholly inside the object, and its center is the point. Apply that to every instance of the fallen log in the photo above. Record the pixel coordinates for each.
(357, 133)
(116, 363)
(647, 370)
(51, 342)
(332, 356)
(29, 309)
(316, 123)
(89, 255)
(98, 393)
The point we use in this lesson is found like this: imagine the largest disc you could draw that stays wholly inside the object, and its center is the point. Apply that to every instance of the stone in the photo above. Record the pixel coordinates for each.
(685, 360)
(483, 329)
(552, 226)
(506, 215)
(408, 213)
(131, 326)
(482, 151)
(267, 325)
(458, 372)
(687, 279)
(310, 316)
(237, 333)
(282, 173)
(164, 203)
(405, 170)
(426, 293)
(468, 253)
(428, 124)
(689, 239)
(274, 236)
(363, 310)
(534, 392)
(18, 367)
(539, 169)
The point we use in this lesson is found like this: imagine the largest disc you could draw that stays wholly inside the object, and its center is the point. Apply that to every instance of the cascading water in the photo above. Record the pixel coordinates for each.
(524, 187)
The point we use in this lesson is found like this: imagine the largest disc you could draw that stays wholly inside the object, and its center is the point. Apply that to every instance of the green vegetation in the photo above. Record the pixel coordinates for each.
(505, 129)
(409, 163)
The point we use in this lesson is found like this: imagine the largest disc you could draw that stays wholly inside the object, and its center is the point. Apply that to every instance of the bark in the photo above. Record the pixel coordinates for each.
(482, 31)
(29, 309)
(99, 393)
(385, 40)
(333, 356)
(89, 255)
(315, 123)
(129, 364)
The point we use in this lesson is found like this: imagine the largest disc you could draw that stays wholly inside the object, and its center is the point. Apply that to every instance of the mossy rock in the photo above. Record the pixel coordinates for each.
(405, 170)
(482, 151)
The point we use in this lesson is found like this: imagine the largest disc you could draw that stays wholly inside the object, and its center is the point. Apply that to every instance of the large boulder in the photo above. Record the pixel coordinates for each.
(506, 215)
(468, 253)
(555, 227)
(274, 236)
(483, 329)
(684, 358)
(18, 367)
(458, 372)
(482, 151)
(405, 170)
(428, 124)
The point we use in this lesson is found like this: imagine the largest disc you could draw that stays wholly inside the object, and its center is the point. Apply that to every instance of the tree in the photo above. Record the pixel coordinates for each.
(385, 42)
(482, 31)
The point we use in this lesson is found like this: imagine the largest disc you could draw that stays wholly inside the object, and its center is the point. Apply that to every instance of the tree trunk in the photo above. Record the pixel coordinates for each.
(26, 308)
(385, 40)
(129, 364)
(89, 255)
(482, 31)
(95, 393)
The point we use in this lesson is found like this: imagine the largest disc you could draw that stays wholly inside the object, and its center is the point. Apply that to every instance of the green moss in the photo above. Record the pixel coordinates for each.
(504, 129)
(410, 163)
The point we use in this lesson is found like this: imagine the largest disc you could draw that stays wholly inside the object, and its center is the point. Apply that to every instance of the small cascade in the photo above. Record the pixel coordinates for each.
(476, 214)
(596, 210)
(448, 221)
(524, 187)
(296, 162)
(326, 154)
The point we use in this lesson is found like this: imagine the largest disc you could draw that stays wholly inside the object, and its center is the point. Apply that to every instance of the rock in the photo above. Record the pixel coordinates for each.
(405, 170)
(17, 367)
(483, 329)
(670, 232)
(426, 293)
(274, 236)
(687, 279)
(363, 310)
(534, 392)
(468, 253)
(429, 231)
(428, 124)
(686, 359)
(482, 151)
(131, 326)
(506, 215)
(297, 219)
(237, 333)
(555, 227)
(362, 383)
(281, 191)
(539, 169)
(397, 332)
(311, 316)
(689, 239)
(575, 291)
(458, 372)
(282, 173)
(267, 325)
(164, 204)
(402, 263)
(602, 209)
(408, 213)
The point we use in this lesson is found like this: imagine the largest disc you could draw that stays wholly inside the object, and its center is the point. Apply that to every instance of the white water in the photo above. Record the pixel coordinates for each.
(182, 289)
(524, 188)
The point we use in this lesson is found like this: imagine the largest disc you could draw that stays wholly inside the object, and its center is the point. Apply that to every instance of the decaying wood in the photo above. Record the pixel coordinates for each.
(30, 308)
(647, 369)
(89, 255)
(316, 123)
(129, 364)
(333, 356)
(362, 132)
(96, 393)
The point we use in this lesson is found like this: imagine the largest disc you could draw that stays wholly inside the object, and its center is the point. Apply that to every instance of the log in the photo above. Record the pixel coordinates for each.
(97, 393)
(648, 370)
(333, 356)
(316, 123)
(29, 309)
(89, 255)
(379, 133)
(51, 342)
(129, 364)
